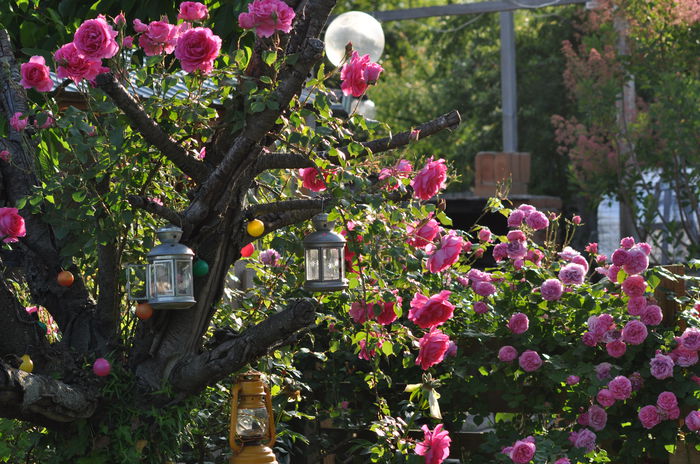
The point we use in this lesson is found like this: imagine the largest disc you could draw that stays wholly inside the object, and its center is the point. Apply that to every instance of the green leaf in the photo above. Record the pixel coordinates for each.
(269, 57)
(443, 218)
(78, 196)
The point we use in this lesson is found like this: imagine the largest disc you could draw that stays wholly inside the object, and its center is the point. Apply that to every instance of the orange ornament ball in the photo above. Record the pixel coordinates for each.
(65, 279)
(144, 311)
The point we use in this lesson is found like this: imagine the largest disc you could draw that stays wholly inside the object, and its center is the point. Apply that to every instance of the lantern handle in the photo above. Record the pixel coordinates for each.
(234, 420)
(270, 419)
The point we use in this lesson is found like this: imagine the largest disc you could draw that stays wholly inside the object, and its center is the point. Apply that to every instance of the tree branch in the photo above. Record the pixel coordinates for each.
(231, 354)
(41, 399)
(446, 121)
(152, 207)
(286, 205)
(282, 161)
(149, 128)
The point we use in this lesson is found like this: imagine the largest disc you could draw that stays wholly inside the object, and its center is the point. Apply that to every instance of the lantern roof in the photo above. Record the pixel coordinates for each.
(324, 236)
(170, 236)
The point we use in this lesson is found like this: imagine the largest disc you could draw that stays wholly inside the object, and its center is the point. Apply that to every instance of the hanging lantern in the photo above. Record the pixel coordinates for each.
(252, 429)
(325, 257)
(166, 281)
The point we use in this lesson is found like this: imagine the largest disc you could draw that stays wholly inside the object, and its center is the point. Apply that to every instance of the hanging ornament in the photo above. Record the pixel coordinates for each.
(27, 364)
(247, 250)
(144, 311)
(201, 268)
(255, 228)
(65, 278)
(101, 367)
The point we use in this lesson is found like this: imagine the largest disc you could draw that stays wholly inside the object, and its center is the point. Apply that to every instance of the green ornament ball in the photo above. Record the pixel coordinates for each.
(42, 326)
(200, 268)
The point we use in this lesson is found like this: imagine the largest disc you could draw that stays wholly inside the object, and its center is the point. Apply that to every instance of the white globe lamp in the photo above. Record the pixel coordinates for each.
(362, 30)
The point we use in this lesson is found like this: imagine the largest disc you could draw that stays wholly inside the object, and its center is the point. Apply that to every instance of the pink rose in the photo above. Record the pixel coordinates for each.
(312, 180)
(192, 11)
(691, 339)
(523, 451)
(600, 325)
(562, 461)
(590, 339)
(364, 352)
(619, 257)
(613, 271)
(649, 416)
(270, 257)
(500, 252)
(197, 48)
(576, 219)
(636, 305)
(160, 37)
(530, 361)
(584, 439)
(507, 353)
(485, 234)
(35, 74)
(537, 220)
(551, 289)
(128, 42)
(516, 217)
(616, 348)
(627, 242)
(361, 312)
(5, 156)
(71, 64)
(605, 398)
(120, 20)
(572, 274)
(433, 347)
(634, 285)
(18, 123)
(692, 421)
(620, 387)
(634, 332)
(430, 312)
(684, 357)
(484, 289)
(388, 314)
(597, 418)
(652, 315)
(424, 235)
(139, 26)
(661, 366)
(267, 16)
(667, 401)
(450, 247)
(11, 225)
(480, 307)
(637, 261)
(95, 39)
(435, 445)
(573, 380)
(602, 370)
(430, 180)
(518, 323)
(358, 74)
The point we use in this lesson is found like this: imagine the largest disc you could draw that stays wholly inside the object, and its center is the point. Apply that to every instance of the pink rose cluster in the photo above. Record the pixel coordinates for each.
(423, 233)
(481, 282)
(358, 74)
(583, 438)
(595, 418)
(534, 219)
(401, 170)
(267, 16)
(666, 408)
(430, 180)
(11, 225)
(522, 451)
(619, 389)
(385, 313)
(435, 446)
(82, 58)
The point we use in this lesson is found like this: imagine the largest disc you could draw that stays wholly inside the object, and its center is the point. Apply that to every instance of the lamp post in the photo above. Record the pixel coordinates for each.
(166, 282)
(324, 252)
(252, 428)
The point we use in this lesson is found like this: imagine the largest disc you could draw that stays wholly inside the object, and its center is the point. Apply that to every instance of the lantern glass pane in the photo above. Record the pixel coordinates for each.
(312, 264)
(331, 263)
(252, 423)
(184, 277)
(162, 279)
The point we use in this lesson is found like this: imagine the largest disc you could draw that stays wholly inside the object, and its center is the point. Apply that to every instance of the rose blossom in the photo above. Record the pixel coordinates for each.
(584, 439)
(71, 64)
(270, 257)
(691, 339)
(17, 122)
(435, 445)
(430, 312)
(11, 225)
(450, 247)
(530, 361)
(518, 323)
(425, 234)
(358, 74)
(159, 37)
(507, 353)
(572, 274)
(661, 366)
(430, 180)
(484, 289)
(537, 220)
(516, 217)
(551, 289)
(480, 307)
(667, 401)
(649, 416)
(634, 285)
(523, 451)
(35, 74)
(634, 333)
(597, 417)
(500, 252)
(573, 380)
(451, 349)
(652, 315)
(684, 357)
(95, 39)
(616, 348)
(516, 249)
(602, 370)
(692, 420)
(620, 387)
(192, 11)
(562, 461)
(636, 305)
(590, 339)
(627, 242)
(267, 16)
(637, 261)
(605, 398)
(613, 271)
(485, 234)
(311, 179)
(388, 314)
(197, 48)
(619, 257)
(600, 325)
(5, 155)
(364, 352)
(433, 347)
(361, 312)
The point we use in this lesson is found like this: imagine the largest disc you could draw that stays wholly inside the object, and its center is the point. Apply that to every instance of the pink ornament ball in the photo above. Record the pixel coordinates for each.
(101, 367)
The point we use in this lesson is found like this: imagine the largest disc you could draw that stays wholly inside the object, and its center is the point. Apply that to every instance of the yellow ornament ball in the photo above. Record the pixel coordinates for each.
(255, 228)
(27, 364)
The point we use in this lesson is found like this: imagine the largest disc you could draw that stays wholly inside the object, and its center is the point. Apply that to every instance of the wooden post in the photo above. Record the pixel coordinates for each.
(668, 306)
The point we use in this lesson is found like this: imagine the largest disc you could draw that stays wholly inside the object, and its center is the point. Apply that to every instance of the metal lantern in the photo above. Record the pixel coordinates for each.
(166, 281)
(325, 257)
(252, 428)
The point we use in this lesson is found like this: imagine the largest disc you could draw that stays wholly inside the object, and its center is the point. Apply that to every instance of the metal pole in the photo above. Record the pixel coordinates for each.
(509, 99)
